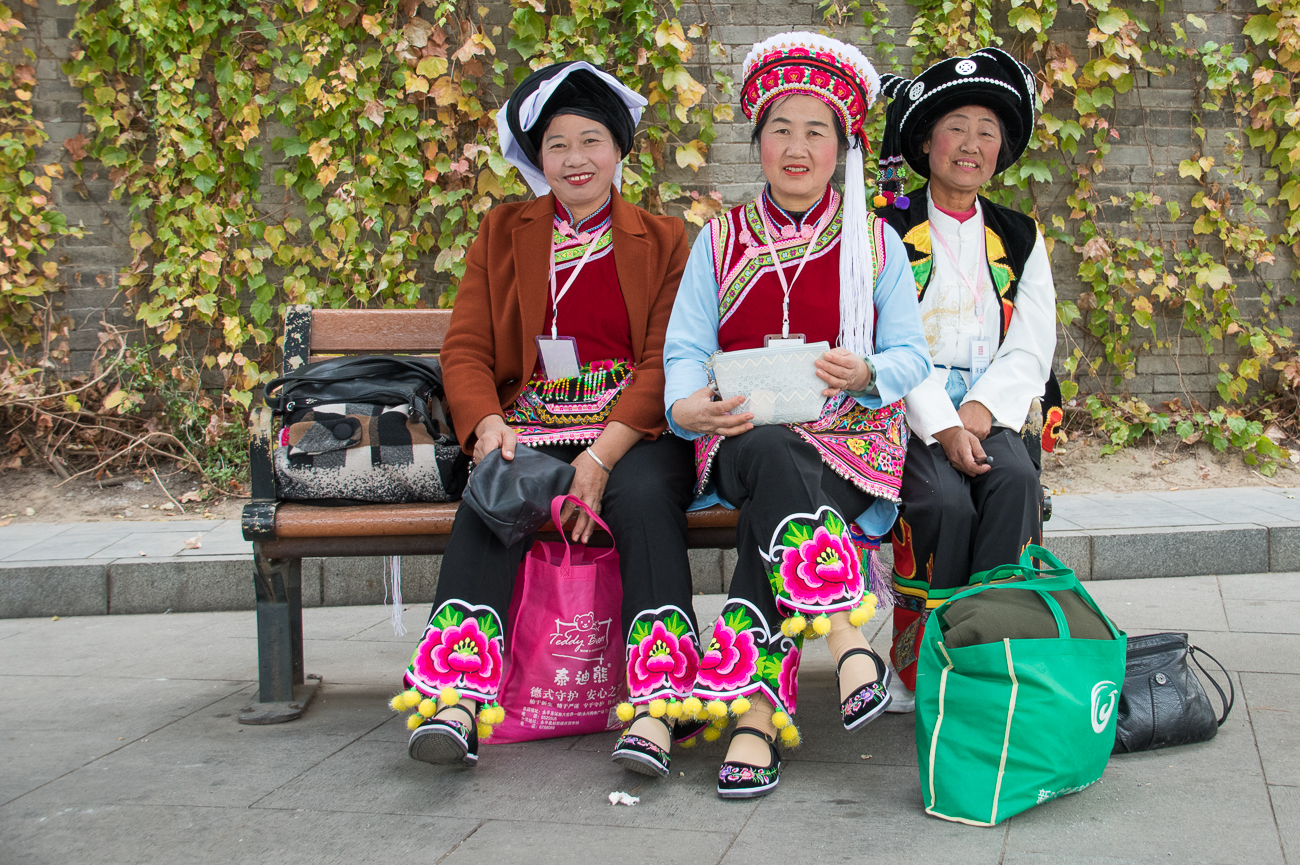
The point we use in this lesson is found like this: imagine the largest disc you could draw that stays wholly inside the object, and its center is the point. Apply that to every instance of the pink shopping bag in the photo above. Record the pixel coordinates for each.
(564, 668)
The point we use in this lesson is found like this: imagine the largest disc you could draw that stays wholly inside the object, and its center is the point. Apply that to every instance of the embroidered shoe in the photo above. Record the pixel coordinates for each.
(746, 781)
(904, 701)
(639, 754)
(868, 702)
(444, 740)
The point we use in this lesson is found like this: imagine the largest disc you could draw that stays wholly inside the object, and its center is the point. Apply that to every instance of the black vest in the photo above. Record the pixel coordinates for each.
(1017, 234)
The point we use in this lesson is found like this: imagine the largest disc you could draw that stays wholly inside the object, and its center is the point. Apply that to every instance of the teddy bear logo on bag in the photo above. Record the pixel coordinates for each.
(584, 635)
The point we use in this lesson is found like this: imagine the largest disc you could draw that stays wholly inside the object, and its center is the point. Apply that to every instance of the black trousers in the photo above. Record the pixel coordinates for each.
(644, 505)
(953, 526)
(786, 496)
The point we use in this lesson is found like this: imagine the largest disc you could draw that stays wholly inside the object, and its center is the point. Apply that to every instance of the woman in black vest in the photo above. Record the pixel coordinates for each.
(971, 495)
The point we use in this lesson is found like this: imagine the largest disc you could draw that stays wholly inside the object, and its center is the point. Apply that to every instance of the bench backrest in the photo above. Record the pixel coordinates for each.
(310, 334)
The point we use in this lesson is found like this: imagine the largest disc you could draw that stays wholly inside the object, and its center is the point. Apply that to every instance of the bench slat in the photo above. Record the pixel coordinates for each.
(378, 330)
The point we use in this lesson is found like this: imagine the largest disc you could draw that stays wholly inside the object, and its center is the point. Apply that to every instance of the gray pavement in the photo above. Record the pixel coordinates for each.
(145, 567)
(120, 745)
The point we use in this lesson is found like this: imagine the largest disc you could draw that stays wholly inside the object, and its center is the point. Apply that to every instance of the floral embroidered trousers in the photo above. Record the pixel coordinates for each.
(794, 555)
(952, 526)
(645, 501)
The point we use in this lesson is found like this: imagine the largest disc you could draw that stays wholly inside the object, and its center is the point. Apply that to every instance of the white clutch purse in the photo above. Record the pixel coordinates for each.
(779, 383)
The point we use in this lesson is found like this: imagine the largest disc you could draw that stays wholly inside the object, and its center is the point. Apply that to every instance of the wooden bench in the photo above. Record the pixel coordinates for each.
(283, 533)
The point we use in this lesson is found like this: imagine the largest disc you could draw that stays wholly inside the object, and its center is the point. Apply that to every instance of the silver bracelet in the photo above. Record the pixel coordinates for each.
(591, 453)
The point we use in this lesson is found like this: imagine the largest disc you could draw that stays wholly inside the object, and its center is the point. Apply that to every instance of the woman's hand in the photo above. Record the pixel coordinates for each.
(700, 413)
(977, 419)
(588, 484)
(491, 433)
(963, 449)
(843, 370)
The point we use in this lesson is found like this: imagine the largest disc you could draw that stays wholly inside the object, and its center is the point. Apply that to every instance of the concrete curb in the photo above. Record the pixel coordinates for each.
(187, 584)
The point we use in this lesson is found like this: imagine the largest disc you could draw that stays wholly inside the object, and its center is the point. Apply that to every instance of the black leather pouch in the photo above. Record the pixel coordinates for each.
(1163, 702)
(514, 496)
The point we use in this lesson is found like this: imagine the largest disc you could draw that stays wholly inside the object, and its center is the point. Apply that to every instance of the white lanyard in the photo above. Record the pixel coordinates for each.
(780, 270)
(555, 299)
(975, 287)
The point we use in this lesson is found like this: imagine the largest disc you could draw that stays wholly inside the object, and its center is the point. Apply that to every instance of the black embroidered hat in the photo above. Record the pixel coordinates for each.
(990, 77)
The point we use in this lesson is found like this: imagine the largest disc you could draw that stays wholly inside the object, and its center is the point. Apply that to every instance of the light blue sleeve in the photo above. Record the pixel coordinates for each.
(902, 357)
(692, 331)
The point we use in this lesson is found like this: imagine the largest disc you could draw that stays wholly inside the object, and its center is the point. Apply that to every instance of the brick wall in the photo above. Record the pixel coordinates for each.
(1154, 122)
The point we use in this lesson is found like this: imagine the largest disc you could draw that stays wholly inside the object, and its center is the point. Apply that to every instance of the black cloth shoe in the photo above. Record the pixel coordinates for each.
(639, 754)
(745, 781)
(444, 740)
(868, 702)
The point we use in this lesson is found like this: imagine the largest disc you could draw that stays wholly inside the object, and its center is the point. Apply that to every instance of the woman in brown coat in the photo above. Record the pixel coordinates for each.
(556, 342)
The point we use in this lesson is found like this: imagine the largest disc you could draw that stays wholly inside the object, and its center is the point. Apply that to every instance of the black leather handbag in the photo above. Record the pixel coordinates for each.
(1163, 702)
(514, 496)
(386, 380)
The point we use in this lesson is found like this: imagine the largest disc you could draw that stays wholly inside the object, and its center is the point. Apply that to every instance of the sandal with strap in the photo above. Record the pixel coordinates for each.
(442, 740)
(747, 781)
(639, 754)
(871, 700)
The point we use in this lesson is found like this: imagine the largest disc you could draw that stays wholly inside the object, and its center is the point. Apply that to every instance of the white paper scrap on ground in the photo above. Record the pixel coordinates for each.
(620, 798)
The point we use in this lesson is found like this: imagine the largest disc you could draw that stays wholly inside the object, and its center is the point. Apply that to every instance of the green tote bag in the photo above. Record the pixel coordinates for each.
(1004, 726)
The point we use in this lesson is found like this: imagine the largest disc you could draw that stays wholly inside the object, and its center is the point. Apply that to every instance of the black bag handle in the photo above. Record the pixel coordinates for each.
(1225, 701)
(356, 365)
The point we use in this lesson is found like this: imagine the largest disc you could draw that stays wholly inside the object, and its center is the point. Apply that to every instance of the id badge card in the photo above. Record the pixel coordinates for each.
(981, 355)
(559, 357)
(776, 339)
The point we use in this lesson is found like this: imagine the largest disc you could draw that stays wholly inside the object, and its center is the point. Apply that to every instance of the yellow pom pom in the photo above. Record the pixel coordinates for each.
(498, 714)
(449, 696)
(398, 703)
(864, 613)
(712, 734)
(484, 731)
(427, 708)
(739, 706)
(691, 707)
(822, 625)
(625, 712)
(674, 709)
(790, 735)
(689, 743)
(780, 720)
(414, 721)
(487, 715)
(794, 626)
(879, 201)
(412, 698)
(717, 709)
(658, 708)
(720, 723)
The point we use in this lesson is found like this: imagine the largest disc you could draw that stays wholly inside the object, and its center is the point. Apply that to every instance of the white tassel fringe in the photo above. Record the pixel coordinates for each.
(393, 575)
(857, 302)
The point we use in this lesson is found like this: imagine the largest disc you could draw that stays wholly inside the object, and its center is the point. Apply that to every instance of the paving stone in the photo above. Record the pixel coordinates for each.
(1178, 604)
(360, 580)
(1269, 617)
(511, 842)
(1274, 706)
(706, 570)
(1261, 587)
(1256, 653)
(1124, 511)
(1156, 806)
(59, 588)
(170, 834)
(1284, 548)
(1179, 551)
(202, 584)
(1286, 809)
(32, 537)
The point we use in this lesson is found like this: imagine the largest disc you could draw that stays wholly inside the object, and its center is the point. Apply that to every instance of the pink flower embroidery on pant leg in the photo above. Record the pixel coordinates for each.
(662, 659)
(822, 569)
(461, 654)
(788, 679)
(731, 659)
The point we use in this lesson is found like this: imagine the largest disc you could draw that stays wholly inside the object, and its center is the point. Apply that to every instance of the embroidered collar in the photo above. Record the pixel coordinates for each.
(781, 219)
(589, 223)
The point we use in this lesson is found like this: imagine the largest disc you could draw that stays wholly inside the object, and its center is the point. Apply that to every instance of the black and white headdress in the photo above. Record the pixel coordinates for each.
(990, 77)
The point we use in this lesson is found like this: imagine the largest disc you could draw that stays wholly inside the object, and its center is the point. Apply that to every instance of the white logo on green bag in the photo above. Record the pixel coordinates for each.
(1101, 714)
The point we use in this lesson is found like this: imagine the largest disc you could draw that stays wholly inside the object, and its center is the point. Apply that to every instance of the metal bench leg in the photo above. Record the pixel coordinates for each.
(283, 690)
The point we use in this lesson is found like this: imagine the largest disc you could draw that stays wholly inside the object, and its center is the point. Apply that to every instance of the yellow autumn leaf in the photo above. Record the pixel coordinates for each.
(432, 67)
(445, 91)
(319, 151)
(114, 399)
(691, 155)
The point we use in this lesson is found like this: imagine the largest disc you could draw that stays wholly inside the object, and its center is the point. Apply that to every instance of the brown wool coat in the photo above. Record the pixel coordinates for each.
(490, 352)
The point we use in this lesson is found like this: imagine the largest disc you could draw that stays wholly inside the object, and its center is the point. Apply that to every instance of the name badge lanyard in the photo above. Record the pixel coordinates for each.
(780, 269)
(556, 298)
(975, 287)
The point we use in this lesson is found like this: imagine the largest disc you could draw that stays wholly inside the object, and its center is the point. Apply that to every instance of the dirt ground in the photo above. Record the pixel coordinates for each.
(1075, 468)
(36, 496)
